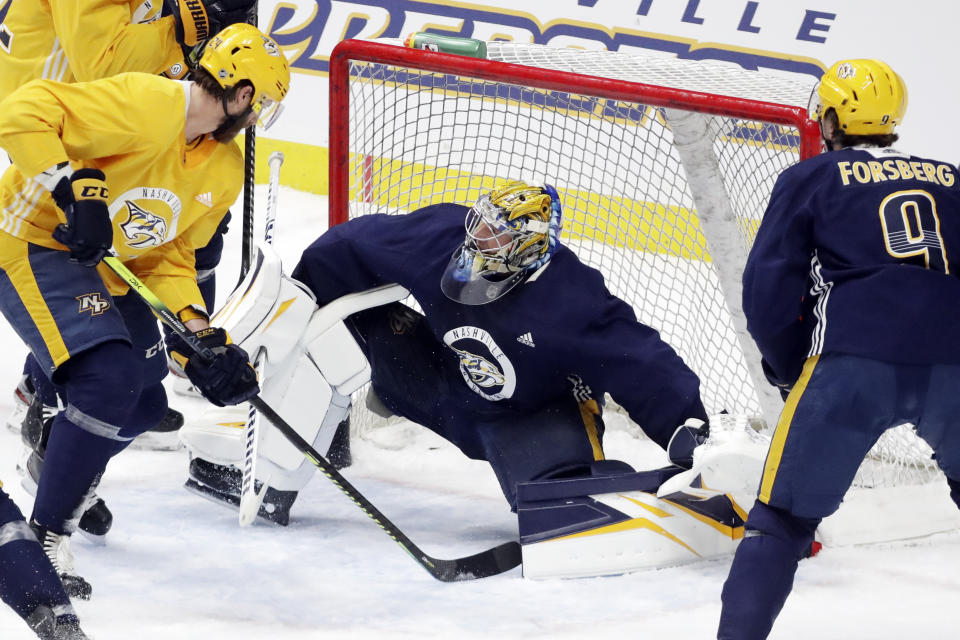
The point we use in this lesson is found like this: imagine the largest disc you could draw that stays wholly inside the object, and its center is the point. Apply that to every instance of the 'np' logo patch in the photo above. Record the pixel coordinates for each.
(93, 302)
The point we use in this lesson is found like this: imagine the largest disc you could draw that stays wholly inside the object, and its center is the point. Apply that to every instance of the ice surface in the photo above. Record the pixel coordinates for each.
(178, 567)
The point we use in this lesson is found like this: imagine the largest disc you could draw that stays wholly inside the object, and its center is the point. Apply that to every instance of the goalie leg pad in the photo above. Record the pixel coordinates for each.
(606, 525)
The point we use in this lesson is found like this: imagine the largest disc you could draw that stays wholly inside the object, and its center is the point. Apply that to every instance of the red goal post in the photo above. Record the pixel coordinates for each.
(392, 54)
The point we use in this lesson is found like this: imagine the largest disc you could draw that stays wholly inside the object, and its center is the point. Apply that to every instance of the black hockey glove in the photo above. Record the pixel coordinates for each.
(227, 379)
(88, 232)
(198, 20)
(688, 436)
(783, 387)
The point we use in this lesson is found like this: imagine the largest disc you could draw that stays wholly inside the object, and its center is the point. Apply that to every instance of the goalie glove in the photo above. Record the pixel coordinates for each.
(88, 233)
(197, 20)
(688, 436)
(228, 378)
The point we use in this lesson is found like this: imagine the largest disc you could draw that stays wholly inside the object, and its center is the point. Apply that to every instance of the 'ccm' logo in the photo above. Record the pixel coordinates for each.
(94, 192)
(93, 303)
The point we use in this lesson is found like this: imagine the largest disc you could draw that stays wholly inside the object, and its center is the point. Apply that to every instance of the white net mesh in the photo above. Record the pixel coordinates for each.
(419, 137)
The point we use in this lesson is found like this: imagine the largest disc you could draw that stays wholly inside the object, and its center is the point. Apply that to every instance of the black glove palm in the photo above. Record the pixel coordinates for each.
(88, 232)
(198, 20)
(226, 379)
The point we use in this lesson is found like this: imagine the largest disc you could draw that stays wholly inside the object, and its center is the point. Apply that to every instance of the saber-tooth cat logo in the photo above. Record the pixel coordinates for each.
(143, 228)
(484, 367)
(147, 216)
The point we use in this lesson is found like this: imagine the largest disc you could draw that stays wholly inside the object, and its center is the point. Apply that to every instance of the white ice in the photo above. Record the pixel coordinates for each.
(176, 566)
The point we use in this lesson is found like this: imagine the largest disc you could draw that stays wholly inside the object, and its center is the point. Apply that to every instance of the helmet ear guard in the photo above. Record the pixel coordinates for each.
(510, 232)
(868, 97)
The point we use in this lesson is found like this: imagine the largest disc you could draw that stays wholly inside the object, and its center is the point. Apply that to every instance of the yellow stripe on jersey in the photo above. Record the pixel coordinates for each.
(589, 412)
(15, 262)
(775, 454)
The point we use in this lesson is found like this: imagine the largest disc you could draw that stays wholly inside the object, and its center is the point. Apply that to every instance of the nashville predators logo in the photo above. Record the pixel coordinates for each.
(480, 371)
(143, 228)
(92, 302)
(484, 366)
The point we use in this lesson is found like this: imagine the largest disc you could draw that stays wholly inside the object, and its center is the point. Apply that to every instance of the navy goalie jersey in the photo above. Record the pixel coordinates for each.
(858, 253)
(560, 330)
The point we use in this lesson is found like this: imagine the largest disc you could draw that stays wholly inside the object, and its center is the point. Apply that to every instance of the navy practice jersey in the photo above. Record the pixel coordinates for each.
(858, 253)
(525, 349)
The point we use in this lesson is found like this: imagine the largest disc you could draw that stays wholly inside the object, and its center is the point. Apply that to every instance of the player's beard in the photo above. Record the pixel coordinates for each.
(230, 126)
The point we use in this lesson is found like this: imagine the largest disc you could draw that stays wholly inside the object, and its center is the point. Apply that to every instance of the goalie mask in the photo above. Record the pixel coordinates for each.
(511, 232)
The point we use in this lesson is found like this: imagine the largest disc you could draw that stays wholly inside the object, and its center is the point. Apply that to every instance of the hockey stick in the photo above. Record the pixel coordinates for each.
(249, 169)
(487, 563)
(249, 176)
(250, 498)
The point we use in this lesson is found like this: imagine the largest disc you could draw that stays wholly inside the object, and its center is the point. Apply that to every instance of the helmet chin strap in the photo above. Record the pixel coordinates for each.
(232, 124)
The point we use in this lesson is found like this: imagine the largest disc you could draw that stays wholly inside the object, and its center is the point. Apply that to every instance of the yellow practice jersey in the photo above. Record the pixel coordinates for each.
(166, 198)
(81, 40)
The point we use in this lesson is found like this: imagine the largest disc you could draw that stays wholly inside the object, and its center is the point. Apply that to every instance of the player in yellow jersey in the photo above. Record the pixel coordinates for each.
(82, 40)
(148, 166)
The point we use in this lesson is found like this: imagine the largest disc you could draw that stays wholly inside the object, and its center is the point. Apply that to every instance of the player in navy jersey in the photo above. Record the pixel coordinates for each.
(28, 582)
(518, 340)
(851, 294)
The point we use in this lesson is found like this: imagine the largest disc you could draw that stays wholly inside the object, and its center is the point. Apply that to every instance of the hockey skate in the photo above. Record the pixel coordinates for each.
(96, 518)
(57, 548)
(221, 484)
(22, 397)
(163, 437)
(49, 625)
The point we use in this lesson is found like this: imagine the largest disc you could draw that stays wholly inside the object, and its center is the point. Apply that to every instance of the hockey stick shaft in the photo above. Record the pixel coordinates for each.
(249, 181)
(275, 162)
(250, 498)
(249, 170)
(491, 562)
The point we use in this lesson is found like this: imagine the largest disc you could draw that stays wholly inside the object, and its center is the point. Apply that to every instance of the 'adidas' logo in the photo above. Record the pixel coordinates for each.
(205, 199)
(526, 339)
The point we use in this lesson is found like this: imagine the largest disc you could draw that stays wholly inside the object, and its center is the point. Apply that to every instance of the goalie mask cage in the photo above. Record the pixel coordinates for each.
(664, 168)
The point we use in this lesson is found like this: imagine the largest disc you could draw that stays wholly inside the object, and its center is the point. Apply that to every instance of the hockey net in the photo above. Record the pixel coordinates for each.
(664, 167)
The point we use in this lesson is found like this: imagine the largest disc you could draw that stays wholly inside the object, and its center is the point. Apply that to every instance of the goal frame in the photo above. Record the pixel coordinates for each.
(714, 213)
(549, 79)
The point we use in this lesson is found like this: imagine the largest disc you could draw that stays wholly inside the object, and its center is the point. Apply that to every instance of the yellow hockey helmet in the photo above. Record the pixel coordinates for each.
(868, 96)
(242, 52)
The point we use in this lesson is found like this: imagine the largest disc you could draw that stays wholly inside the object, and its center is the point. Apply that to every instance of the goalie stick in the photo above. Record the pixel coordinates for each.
(250, 498)
(490, 562)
